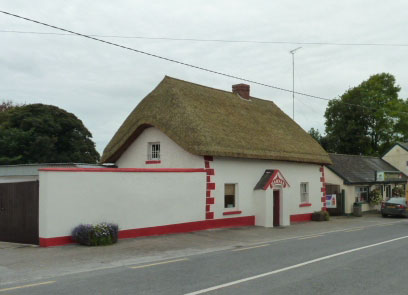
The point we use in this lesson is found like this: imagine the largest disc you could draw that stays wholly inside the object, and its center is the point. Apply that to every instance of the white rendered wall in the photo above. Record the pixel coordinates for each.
(130, 199)
(247, 172)
(171, 154)
(398, 158)
(349, 191)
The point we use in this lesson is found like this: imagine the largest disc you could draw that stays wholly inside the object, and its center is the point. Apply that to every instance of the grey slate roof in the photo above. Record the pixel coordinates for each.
(264, 179)
(354, 169)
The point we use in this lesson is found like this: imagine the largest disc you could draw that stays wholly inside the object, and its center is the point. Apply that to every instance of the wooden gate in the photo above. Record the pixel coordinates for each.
(19, 212)
(335, 189)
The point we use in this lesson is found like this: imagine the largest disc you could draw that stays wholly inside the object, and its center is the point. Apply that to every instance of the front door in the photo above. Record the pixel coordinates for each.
(276, 208)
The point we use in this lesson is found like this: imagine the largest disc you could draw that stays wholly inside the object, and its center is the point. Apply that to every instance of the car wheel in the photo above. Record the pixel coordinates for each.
(384, 215)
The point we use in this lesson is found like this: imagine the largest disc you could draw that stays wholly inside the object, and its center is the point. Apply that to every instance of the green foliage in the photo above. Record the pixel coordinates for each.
(40, 133)
(322, 140)
(372, 129)
(321, 216)
(375, 197)
(398, 192)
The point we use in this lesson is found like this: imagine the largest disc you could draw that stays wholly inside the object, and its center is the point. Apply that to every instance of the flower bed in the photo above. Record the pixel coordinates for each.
(96, 235)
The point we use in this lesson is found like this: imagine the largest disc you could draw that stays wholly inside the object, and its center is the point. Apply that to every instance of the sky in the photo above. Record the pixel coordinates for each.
(102, 84)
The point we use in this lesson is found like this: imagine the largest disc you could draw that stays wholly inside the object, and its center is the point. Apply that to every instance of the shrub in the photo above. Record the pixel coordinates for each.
(96, 235)
(398, 191)
(320, 216)
(375, 197)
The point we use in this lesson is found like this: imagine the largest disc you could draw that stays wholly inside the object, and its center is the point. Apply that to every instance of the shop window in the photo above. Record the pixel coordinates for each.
(304, 192)
(230, 198)
(362, 194)
(154, 151)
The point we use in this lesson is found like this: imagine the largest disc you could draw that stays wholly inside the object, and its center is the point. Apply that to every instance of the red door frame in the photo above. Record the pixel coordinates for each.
(276, 208)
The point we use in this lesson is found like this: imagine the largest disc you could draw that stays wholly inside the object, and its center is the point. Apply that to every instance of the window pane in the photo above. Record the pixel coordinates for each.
(229, 196)
(230, 189)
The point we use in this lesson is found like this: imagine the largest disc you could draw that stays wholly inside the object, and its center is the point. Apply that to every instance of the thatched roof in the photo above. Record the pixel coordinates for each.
(208, 121)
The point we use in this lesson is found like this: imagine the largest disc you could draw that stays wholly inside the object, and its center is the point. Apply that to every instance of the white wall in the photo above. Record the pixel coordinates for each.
(171, 154)
(130, 199)
(398, 158)
(247, 172)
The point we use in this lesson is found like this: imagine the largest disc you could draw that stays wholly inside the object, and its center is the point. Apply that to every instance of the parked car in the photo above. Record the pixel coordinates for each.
(394, 206)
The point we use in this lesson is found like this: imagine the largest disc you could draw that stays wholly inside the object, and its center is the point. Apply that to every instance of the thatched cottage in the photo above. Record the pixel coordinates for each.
(187, 158)
(259, 162)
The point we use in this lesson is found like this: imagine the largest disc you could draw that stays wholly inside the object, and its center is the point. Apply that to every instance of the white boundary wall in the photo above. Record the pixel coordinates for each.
(130, 199)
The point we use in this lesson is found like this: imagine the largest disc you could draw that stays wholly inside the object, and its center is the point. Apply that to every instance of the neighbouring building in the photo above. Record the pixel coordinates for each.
(355, 176)
(397, 156)
(191, 157)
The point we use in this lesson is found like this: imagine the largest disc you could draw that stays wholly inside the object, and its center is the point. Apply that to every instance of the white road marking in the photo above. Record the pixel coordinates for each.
(242, 249)
(292, 267)
(310, 237)
(158, 263)
(351, 230)
(26, 286)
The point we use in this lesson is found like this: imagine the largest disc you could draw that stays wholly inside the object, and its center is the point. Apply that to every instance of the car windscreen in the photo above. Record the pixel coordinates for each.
(401, 201)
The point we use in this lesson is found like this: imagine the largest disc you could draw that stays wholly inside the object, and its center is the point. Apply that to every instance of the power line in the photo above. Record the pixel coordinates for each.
(213, 40)
(182, 63)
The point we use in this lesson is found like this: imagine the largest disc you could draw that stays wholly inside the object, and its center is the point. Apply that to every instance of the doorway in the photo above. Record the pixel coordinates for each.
(276, 208)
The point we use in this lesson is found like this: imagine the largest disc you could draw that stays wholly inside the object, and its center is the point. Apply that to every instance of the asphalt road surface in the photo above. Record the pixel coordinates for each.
(366, 260)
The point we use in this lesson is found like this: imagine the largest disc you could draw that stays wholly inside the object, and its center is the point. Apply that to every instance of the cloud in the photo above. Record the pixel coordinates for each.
(102, 84)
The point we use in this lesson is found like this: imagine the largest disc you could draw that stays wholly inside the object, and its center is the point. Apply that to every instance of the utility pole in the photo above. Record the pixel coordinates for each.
(293, 80)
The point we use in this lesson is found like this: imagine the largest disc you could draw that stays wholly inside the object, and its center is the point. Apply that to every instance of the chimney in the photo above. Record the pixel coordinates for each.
(241, 89)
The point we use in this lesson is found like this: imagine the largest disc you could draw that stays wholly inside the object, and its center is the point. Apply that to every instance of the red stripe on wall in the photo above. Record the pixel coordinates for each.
(305, 205)
(58, 241)
(301, 217)
(165, 229)
(209, 201)
(209, 215)
(211, 186)
(208, 158)
(208, 194)
(210, 171)
(231, 212)
(124, 169)
(153, 162)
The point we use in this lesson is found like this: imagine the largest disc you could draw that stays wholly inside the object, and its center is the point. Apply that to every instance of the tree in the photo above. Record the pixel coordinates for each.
(40, 133)
(373, 126)
(322, 140)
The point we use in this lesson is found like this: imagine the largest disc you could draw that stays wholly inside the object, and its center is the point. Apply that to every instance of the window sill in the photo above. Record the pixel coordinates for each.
(231, 212)
(305, 205)
(153, 162)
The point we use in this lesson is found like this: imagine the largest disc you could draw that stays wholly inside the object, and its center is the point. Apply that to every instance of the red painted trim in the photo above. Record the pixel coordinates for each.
(231, 212)
(272, 179)
(124, 169)
(324, 208)
(164, 229)
(209, 215)
(321, 169)
(208, 158)
(208, 178)
(209, 201)
(211, 186)
(322, 179)
(305, 205)
(323, 189)
(207, 208)
(323, 199)
(207, 164)
(153, 162)
(301, 217)
(208, 194)
(210, 171)
(58, 241)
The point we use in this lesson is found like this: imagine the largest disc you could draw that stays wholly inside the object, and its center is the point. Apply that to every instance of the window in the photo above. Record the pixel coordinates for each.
(361, 193)
(304, 192)
(154, 151)
(230, 195)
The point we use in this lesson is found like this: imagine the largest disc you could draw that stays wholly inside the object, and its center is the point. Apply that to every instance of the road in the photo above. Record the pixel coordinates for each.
(365, 260)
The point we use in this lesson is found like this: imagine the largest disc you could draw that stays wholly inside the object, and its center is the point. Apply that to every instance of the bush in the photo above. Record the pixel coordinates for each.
(398, 192)
(320, 216)
(375, 197)
(96, 235)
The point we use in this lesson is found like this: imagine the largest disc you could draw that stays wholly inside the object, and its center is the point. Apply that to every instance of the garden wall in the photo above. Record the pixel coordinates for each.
(140, 201)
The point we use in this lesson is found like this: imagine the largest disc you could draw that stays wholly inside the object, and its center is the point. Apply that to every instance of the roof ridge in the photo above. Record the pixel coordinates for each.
(212, 88)
(337, 154)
